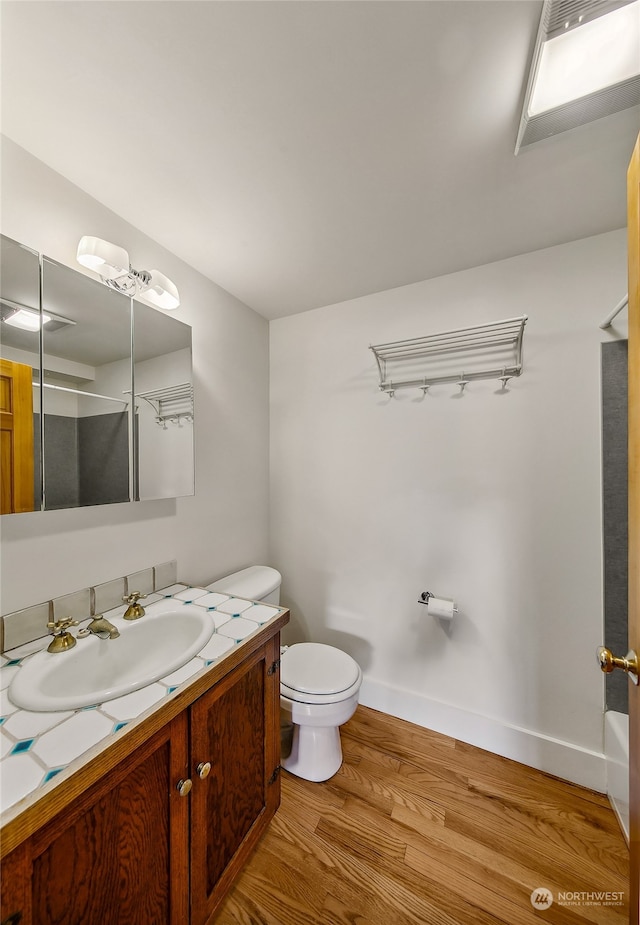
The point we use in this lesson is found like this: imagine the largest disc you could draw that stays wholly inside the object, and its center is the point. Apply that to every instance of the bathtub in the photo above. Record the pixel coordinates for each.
(616, 752)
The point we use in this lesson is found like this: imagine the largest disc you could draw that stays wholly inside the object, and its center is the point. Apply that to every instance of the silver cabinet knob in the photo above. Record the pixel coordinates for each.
(204, 769)
(184, 786)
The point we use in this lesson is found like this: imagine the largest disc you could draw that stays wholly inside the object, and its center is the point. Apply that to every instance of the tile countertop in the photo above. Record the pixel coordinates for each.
(38, 747)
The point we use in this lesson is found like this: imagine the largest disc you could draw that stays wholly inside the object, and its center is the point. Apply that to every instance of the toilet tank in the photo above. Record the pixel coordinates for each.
(257, 583)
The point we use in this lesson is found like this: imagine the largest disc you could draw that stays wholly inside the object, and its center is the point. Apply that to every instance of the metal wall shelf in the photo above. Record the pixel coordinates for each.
(172, 403)
(484, 351)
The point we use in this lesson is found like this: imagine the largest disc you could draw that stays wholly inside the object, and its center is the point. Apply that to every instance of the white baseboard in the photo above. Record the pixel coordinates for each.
(562, 759)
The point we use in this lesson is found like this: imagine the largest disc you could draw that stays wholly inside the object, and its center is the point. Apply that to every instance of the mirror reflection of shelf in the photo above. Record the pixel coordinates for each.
(484, 351)
(172, 404)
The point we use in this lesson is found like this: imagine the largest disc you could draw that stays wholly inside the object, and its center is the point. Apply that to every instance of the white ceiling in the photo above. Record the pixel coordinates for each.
(303, 153)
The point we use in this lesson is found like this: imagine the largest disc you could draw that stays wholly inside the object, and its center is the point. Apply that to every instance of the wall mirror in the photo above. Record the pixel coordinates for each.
(20, 487)
(110, 417)
(163, 423)
(86, 371)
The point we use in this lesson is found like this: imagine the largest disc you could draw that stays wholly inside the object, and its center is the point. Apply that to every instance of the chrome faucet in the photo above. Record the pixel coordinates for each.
(101, 627)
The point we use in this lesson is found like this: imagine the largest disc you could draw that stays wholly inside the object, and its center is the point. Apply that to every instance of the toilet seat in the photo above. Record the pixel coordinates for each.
(311, 672)
(300, 697)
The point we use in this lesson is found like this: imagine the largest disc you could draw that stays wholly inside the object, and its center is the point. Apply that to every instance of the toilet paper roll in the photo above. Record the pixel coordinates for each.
(441, 607)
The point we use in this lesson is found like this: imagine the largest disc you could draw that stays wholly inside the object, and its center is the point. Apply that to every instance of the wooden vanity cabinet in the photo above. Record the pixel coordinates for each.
(116, 854)
(131, 848)
(231, 806)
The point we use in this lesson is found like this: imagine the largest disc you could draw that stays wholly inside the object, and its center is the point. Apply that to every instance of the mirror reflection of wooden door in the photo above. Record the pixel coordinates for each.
(16, 436)
(633, 198)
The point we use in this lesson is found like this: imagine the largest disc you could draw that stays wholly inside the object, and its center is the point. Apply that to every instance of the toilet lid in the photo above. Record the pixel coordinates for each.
(313, 668)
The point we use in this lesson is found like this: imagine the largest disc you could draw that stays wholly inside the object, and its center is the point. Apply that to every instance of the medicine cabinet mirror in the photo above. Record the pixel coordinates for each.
(110, 414)
(163, 423)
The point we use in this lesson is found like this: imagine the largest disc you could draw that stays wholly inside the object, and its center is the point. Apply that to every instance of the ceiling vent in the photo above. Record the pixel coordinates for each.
(586, 65)
(29, 319)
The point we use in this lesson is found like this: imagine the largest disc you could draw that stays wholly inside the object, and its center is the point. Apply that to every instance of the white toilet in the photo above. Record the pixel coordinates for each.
(256, 583)
(319, 687)
(319, 684)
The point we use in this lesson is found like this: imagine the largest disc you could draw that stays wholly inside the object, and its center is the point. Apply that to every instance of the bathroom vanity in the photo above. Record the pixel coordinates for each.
(156, 827)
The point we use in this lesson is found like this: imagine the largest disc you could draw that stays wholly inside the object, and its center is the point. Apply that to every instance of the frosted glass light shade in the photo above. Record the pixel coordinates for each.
(161, 292)
(581, 61)
(112, 264)
(107, 259)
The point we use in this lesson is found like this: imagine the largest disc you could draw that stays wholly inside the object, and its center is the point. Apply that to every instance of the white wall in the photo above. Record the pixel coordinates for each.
(224, 526)
(492, 499)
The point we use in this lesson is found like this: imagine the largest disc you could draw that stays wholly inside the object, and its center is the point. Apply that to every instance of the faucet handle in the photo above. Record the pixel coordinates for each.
(134, 597)
(62, 640)
(135, 610)
(61, 625)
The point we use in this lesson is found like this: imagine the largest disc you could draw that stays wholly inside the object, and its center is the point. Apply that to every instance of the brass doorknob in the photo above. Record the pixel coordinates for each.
(204, 769)
(608, 662)
(183, 787)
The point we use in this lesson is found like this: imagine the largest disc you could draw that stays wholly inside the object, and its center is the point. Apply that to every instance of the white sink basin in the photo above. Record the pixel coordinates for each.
(96, 670)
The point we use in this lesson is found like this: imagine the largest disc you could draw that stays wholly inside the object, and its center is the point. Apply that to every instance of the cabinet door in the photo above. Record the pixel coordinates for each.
(235, 729)
(15, 902)
(124, 857)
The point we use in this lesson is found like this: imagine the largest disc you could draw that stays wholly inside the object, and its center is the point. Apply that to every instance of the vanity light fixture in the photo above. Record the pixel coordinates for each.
(111, 263)
(586, 65)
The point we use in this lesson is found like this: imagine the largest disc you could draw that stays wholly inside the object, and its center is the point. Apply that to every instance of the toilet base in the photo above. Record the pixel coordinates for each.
(316, 753)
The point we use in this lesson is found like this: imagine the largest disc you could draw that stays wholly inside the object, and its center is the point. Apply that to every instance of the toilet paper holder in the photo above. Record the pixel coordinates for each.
(443, 607)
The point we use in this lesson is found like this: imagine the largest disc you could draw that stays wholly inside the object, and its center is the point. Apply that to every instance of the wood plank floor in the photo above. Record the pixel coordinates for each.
(420, 829)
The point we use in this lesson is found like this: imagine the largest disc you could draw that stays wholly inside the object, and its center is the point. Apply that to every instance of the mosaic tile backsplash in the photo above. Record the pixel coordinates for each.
(36, 747)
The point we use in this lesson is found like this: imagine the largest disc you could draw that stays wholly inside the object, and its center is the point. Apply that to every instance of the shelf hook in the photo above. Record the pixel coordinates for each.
(462, 382)
(504, 379)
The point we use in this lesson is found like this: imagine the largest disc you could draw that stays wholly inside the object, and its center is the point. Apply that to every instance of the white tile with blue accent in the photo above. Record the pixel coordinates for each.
(216, 647)
(27, 648)
(38, 747)
(84, 730)
(180, 675)
(212, 600)
(190, 595)
(261, 613)
(220, 618)
(21, 774)
(6, 707)
(172, 590)
(7, 675)
(132, 705)
(234, 606)
(237, 629)
(25, 724)
(6, 744)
